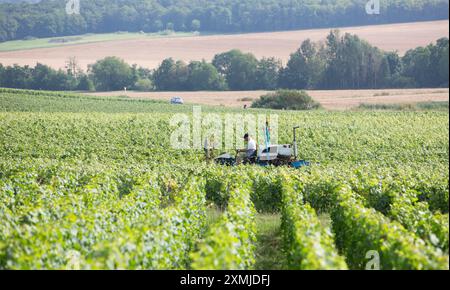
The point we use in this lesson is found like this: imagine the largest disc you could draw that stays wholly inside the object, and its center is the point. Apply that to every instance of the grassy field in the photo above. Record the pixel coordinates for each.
(149, 51)
(83, 39)
(92, 182)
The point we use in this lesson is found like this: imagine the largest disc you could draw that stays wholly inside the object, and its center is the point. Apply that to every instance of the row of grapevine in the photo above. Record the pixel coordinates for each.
(360, 230)
(102, 187)
(420, 185)
(308, 244)
(99, 224)
(396, 194)
(162, 240)
(417, 217)
(302, 229)
(230, 243)
(405, 200)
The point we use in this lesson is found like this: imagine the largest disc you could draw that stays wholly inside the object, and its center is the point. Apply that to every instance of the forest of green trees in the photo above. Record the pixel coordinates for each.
(49, 18)
(341, 62)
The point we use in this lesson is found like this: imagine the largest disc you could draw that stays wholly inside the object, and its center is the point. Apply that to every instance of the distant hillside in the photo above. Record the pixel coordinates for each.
(49, 18)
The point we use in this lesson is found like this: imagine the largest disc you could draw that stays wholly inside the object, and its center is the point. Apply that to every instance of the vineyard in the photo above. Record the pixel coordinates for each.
(93, 183)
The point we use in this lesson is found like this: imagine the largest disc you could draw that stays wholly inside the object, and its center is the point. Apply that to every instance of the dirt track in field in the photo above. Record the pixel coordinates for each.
(331, 100)
(150, 52)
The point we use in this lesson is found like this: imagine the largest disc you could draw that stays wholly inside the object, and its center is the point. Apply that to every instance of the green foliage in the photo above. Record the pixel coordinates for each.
(429, 65)
(286, 100)
(416, 216)
(437, 198)
(305, 67)
(85, 84)
(195, 25)
(196, 76)
(143, 85)
(92, 182)
(41, 77)
(397, 197)
(240, 69)
(44, 101)
(266, 194)
(359, 229)
(22, 20)
(267, 73)
(230, 243)
(340, 64)
(171, 75)
(111, 74)
(162, 243)
(308, 244)
(354, 63)
(89, 216)
(435, 106)
(141, 133)
(217, 188)
(204, 76)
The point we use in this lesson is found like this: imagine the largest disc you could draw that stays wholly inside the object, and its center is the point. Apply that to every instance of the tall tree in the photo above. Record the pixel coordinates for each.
(240, 69)
(304, 68)
(111, 73)
(171, 75)
(267, 73)
(204, 76)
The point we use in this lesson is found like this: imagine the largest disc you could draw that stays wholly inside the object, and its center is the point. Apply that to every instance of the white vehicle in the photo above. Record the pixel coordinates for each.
(275, 152)
(177, 101)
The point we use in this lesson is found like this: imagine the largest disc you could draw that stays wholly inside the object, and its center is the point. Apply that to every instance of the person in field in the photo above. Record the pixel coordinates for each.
(250, 151)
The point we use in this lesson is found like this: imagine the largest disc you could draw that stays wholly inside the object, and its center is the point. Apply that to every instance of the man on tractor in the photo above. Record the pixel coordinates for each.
(250, 151)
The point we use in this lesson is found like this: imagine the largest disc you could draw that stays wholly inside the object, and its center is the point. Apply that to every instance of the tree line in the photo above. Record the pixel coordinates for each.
(48, 18)
(339, 62)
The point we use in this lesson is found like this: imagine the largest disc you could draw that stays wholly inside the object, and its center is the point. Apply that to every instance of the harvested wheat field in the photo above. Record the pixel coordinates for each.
(149, 52)
(331, 100)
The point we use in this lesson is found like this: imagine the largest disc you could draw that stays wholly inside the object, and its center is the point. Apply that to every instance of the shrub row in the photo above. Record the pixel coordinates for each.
(101, 221)
(359, 230)
(230, 243)
(309, 244)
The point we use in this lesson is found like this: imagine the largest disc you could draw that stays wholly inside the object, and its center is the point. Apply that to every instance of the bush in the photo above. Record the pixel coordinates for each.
(143, 85)
(286, 100)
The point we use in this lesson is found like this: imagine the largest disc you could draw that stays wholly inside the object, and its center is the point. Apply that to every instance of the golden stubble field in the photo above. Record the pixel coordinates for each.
(149, 52)
(331, 99)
